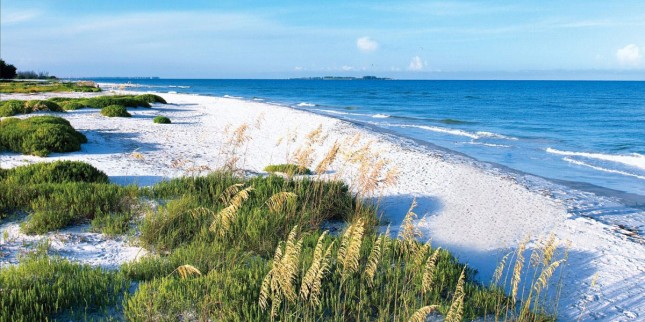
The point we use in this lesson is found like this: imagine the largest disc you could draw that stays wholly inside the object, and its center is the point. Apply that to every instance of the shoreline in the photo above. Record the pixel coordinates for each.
(474, 213)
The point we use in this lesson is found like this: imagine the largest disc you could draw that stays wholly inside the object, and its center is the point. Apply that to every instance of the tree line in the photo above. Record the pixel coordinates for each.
(8, 71)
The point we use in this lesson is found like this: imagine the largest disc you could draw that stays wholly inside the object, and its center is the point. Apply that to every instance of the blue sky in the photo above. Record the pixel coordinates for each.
(277, 39)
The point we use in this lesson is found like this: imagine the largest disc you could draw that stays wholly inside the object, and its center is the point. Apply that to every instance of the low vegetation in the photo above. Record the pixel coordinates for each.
(115, 111)
(151, 98)
(289, 169)
(42, 288)
(61, 104)
(15, 107)
(46, 86)
(39, 135)
(53, 172)
(161, 120)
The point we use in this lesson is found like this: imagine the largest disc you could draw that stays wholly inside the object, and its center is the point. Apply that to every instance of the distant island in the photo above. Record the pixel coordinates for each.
(342, 78)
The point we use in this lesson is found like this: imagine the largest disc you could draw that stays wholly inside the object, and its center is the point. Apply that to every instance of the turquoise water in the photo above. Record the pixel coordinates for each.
(580, 132)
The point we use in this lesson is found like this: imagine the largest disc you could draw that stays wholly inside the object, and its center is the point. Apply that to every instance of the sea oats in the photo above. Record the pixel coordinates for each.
(429, 270)
(455, 314)
(422, 314)
(185, 271)
(280, 200)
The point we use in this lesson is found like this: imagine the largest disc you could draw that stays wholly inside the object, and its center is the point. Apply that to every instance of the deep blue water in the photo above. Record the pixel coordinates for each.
(579, 131)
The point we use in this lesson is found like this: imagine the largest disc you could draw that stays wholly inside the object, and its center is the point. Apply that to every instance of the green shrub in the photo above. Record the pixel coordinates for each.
(11, 108)
(289, 169)
(54, 172)
(40, 288)
(151, 98)
(161, 120)
(40, 135)
(115, 111)
(72, 105)
(127, 101)
(42, 105)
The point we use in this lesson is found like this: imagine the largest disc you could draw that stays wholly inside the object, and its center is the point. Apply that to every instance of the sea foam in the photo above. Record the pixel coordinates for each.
(581, 163)
(634, 160)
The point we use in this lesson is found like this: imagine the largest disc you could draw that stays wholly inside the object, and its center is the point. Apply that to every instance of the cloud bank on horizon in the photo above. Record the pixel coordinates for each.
(408, 39)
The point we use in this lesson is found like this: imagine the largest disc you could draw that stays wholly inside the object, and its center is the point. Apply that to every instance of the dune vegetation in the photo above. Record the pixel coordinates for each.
(61, 104)
(7, 86)
(39, 135)
(115, 111)
(226, 247)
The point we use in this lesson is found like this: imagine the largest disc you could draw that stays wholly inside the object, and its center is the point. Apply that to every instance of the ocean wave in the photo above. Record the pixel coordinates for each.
(179, 86)
(172, 92)
(490, 144)
(634, 160)
(230, 96)
(457, 132)
(581, 163)
(442, 130)
(380, 116)
(258, 99)
(305, 104)
(495, 135)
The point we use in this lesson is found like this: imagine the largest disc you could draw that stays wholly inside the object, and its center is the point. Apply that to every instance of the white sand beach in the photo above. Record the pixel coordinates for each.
(475, 211)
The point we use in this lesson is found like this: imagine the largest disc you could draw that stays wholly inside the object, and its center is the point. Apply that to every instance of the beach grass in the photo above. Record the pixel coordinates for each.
(52, 172)
(7, 86)
(15, 107)
(287, 168)
(44, 288)
(227, 247)
(62, 104)
(39, 135)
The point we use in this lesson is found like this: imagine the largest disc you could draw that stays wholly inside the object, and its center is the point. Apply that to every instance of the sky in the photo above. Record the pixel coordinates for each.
(574, 39)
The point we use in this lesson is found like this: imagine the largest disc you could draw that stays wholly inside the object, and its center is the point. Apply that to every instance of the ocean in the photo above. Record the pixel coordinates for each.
(584, 134)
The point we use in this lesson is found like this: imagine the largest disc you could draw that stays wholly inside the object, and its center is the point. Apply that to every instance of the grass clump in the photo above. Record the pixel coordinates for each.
(72, 105)
(115, 111)
(15, 107)
(53, 172)
(161, 120)
(151, 98)
(289, 169)
(125, 100)
(172, 225)
(46, 86)
(12, 107)
(42, 105)
(61, 104)
(42, 288)
(39, 135)
(61, 205)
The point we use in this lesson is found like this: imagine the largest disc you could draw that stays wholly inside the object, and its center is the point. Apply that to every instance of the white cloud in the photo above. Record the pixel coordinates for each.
(366, 44)
(629, 56)
(416, 64)
(347, 68)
